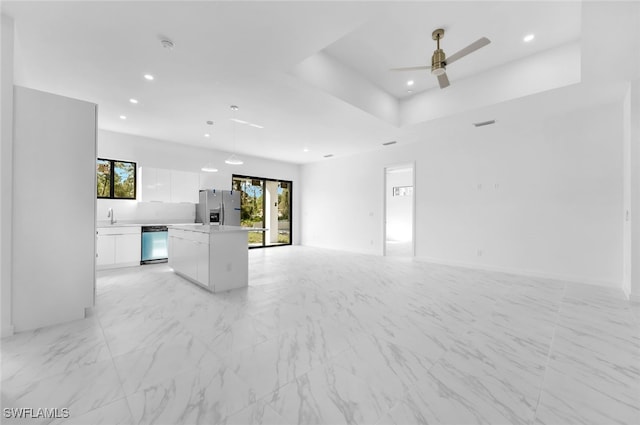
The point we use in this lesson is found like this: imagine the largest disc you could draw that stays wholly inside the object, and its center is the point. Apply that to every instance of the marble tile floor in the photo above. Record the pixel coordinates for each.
(327, 337)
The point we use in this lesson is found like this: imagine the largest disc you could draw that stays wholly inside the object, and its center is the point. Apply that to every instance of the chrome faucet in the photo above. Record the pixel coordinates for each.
(111, 215)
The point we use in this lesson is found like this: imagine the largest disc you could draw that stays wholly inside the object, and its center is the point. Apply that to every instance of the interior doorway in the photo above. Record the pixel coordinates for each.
(399, 210)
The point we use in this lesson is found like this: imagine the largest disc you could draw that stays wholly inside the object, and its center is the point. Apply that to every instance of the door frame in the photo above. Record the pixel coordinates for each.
(412, 165)
(265, 179)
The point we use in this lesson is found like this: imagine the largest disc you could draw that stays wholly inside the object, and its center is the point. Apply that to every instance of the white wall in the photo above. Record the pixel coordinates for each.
(556, 210)
(6, 173)
(175, 156)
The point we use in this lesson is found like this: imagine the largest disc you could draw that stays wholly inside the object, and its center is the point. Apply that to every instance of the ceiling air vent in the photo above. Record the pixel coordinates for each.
(482, 124)
(393, 142)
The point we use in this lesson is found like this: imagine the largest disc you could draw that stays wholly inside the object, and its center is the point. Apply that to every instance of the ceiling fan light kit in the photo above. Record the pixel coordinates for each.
(439, 59)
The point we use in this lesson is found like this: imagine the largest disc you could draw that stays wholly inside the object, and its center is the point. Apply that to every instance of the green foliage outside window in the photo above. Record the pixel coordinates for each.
(103, 169)
(252, 204)
(124, 183)
(115, 179)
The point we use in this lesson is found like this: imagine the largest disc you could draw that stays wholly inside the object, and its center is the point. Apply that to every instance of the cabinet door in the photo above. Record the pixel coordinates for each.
(149, 177)
(156, 185)
(191, 260)
(184, 186)
(127, 248)
(170, 251)
(163, 185)
(202, 260)
(105, 250)
(177, 255)
(184, 257)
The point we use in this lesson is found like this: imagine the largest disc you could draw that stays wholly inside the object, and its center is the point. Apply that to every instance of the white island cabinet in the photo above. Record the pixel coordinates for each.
(214, 257)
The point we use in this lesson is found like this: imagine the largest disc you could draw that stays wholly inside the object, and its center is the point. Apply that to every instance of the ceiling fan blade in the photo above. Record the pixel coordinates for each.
(443, 80)
(469, 49)
(412, 68)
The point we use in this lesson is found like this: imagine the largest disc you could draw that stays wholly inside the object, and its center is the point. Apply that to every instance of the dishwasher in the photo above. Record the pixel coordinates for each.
(154, 244)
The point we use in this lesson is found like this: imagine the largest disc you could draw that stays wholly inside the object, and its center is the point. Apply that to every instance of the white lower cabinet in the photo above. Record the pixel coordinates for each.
(127, 248)
(202, 262)
(189, 255)
(118, 247)
(105, 250)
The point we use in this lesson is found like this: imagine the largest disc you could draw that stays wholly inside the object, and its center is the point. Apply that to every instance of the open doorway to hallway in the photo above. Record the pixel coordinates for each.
(399, 210)
(265, 204)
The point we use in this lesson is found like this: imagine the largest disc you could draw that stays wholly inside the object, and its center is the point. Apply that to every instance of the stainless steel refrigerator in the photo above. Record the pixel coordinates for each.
(219, 207)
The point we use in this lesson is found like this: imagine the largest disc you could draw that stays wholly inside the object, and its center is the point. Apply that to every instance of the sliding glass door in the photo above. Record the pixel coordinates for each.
(266, 206)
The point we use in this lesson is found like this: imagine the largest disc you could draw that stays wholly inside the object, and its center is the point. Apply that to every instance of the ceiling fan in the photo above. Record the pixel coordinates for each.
(439, 61)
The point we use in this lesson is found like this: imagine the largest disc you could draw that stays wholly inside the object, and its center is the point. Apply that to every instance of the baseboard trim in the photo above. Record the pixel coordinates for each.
(7, 331)
(117, 266)
(520, 272)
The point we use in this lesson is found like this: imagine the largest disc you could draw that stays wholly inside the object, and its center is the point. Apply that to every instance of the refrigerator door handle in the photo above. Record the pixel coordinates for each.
(222, 213)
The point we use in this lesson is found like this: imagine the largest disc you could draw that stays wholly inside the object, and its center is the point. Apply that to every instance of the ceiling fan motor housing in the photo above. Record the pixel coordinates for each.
(438, 62)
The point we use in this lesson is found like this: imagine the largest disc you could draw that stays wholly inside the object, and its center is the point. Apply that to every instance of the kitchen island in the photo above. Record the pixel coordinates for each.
(212, 256)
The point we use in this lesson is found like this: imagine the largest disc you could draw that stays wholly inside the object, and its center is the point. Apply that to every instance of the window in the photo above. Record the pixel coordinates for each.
(265, 204)
(115, 179)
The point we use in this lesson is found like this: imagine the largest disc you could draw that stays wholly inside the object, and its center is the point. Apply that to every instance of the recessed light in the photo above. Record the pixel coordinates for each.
(328, 155)
(305, 150)
(134, 101)
(528, 38)
(207, 169)
(410, 82)
(256, 125)
(209, 122)
(148, 77)
(393, 142)
(207, 135)
(123, 117)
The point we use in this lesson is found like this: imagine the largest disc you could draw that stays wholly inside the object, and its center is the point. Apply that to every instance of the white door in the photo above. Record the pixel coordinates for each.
(399, 210)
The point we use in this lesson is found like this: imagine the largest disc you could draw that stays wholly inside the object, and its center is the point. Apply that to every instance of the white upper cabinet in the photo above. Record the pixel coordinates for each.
(162, 185)
(156, 185)
(184, 186)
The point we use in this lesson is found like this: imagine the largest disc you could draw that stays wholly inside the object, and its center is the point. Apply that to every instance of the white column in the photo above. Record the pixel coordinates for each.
(6, 174)
(633, 182)
(54, 229)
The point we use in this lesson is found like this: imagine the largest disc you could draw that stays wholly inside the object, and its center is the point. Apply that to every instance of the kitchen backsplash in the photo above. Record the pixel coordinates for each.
(145, 212)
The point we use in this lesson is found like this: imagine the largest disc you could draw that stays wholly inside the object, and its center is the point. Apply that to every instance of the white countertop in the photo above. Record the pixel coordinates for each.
(212, 228)
(106, 223)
